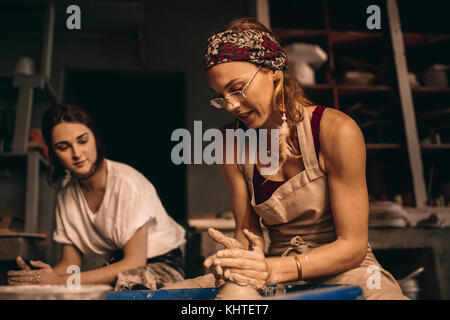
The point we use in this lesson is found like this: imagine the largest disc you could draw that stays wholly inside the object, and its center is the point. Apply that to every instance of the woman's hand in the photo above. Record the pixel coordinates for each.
(26, 276)
(244, 267)
(227, 242)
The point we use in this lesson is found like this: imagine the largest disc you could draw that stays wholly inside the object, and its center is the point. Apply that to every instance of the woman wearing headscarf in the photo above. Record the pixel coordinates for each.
(315, 205)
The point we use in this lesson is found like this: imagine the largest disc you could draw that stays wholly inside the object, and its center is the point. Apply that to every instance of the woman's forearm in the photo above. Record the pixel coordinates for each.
(332, 258)
(103, 275)
(61, 268)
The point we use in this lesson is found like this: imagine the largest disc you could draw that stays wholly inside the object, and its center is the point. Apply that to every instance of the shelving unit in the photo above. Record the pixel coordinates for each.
(23, 181)
(24, 190)
(428, 43)
(35, 166)
(392, 113)
(395, 115)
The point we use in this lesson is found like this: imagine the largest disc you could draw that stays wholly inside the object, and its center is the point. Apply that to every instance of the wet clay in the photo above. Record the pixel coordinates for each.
(233, 291)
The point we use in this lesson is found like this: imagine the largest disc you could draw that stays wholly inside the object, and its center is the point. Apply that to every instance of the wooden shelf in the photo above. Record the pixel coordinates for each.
(5, 233)
(421, 39)
(317, 88)
(382, 146)
(342, 37)
(348, 36)
(426, 91)
(433, 114)
(335, 37)
(292, 34)
(435, 147)
(348, 89)
(397, 146)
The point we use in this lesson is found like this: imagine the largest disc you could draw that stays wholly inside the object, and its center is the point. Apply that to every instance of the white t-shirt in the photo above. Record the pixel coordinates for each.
(129, 202)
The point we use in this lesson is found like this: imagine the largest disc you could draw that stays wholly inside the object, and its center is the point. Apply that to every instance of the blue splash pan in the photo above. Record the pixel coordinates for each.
(293, 292)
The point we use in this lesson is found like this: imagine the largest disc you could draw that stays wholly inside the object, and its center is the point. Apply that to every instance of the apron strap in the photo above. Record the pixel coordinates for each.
(298, 245)
(306, 141)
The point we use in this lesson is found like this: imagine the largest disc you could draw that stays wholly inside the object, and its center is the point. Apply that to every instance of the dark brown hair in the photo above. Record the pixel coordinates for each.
(55, 115)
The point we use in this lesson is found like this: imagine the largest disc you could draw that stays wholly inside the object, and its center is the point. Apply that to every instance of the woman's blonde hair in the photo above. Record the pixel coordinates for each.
(287, 95)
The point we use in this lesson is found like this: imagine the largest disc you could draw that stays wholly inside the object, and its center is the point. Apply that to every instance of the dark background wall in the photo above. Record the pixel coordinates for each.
(176, 33)
(169, 63)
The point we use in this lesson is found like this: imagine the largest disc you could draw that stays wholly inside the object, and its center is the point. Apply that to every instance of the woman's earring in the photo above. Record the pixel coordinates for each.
(284, 124)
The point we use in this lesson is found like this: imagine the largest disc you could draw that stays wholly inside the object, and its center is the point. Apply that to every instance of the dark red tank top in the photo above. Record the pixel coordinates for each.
(263, 190)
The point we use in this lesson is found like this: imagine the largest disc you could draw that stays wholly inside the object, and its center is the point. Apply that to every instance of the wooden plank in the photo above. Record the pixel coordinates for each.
(420, 39)
(435, 113)
(330, 74)
(435, 147)
(348, 36)
(409, 118)
(9, 234)
(23, 118)
(423, 146)
(262, 12)
(32, 193)
(425, 91)
(47, 49)
(382, 146)
(341, 37)
(358, 88)
(26, 86)
(288, 34)
(51, 91)
(317, 86)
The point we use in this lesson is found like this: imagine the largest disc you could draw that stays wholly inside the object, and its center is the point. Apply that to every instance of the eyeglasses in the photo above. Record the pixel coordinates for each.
(235, 97)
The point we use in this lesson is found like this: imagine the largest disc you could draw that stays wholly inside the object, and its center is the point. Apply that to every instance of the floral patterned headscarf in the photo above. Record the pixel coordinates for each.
(250, 45)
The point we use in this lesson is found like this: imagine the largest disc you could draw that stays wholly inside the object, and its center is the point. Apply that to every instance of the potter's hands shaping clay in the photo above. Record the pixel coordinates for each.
(228, 243)
(26, 276)
(244, 267)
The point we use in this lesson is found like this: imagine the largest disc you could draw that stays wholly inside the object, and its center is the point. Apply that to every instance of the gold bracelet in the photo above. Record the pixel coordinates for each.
(299, 266)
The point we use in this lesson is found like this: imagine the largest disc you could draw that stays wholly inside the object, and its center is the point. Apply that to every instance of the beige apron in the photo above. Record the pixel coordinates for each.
(298, 218)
